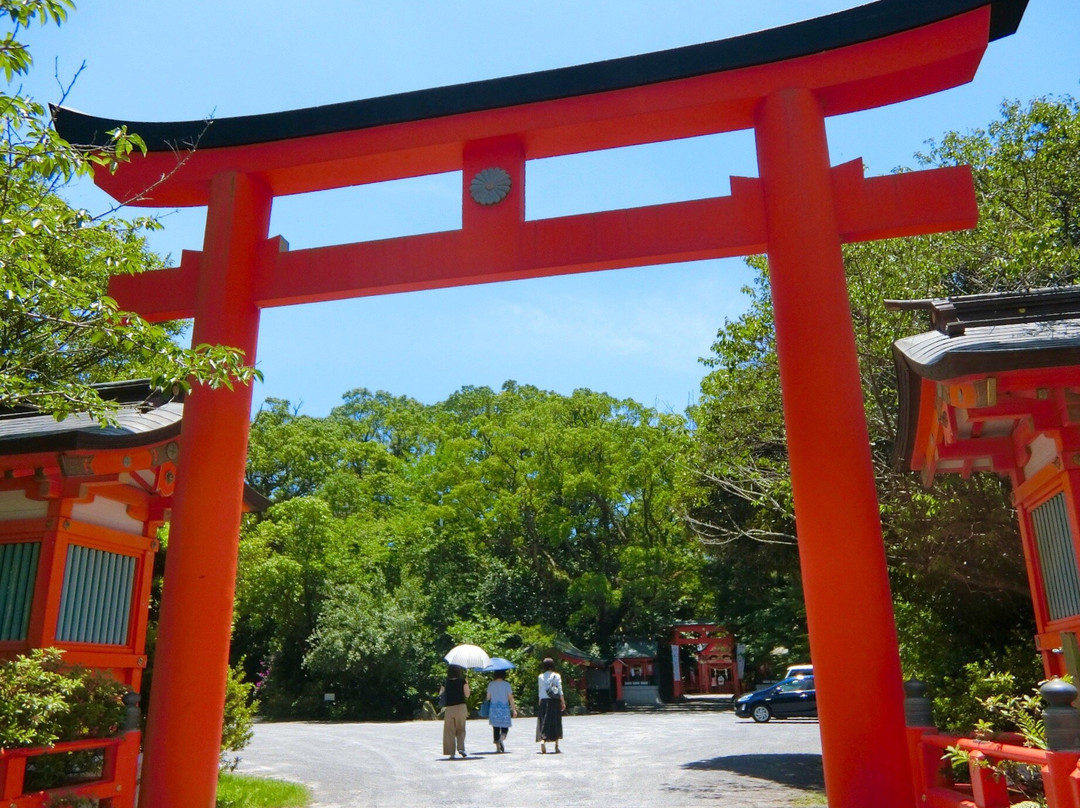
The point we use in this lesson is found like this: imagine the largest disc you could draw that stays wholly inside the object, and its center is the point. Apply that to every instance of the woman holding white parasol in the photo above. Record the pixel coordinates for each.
(454, 693)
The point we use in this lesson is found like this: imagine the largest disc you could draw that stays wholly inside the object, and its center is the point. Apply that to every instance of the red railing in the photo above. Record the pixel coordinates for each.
(114, 789)
(932, 772)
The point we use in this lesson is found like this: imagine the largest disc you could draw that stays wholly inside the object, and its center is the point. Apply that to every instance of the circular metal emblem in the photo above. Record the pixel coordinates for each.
(490, 186)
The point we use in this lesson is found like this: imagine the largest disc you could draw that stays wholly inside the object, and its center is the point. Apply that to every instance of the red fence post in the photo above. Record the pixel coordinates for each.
(12, 771)
(1062, 721)
(924, 759)
(126, 769)
(988, 786)
(1061, 781)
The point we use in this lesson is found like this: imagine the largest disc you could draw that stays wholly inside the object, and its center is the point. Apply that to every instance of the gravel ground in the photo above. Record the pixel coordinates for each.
(652, 759)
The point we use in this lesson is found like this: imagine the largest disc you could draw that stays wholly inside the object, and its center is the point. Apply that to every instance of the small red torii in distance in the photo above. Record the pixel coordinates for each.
(782, 83)
(716, 651)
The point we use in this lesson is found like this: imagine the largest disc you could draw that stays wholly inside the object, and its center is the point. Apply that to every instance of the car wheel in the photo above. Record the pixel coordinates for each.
(761, 713)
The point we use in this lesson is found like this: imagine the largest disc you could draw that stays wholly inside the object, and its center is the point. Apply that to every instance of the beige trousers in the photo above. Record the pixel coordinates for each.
(453, 728)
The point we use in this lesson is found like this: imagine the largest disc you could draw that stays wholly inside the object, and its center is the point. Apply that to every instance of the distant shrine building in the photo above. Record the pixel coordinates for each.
(696, 659)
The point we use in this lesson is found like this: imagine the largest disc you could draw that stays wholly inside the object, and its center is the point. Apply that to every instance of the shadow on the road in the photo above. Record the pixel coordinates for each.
(795, 771)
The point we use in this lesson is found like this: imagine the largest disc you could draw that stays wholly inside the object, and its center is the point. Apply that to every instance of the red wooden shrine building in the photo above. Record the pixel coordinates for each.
(703, 661)
(628, 678)
(781, 83)
(996, 388)
(80, 509)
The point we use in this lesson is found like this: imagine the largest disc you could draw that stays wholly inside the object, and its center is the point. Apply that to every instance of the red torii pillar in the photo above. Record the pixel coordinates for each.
(826, 429)
(782, 83)
(195, 621)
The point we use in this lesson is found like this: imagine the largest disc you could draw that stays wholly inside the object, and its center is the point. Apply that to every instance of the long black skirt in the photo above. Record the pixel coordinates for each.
(549, 720)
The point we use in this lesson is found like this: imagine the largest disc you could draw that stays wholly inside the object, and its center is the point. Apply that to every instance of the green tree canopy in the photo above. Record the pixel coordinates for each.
(59, 331)
(400, 529)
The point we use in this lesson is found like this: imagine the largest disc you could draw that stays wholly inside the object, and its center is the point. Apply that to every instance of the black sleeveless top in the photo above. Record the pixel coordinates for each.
(455, 691)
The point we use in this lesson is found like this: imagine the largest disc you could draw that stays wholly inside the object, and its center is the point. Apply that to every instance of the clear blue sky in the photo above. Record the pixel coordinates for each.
(635, 333)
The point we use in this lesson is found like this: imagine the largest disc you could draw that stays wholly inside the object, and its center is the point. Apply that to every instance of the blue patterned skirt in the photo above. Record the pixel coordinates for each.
(499, 716)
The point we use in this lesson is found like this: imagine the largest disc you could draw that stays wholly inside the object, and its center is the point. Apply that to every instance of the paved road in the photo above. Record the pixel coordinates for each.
(655, 759)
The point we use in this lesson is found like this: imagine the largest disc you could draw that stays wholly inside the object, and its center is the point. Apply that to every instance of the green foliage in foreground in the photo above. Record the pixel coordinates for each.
(240, 709)
(59, 331)
(1008, 711)
(42, 703)
(242, 791)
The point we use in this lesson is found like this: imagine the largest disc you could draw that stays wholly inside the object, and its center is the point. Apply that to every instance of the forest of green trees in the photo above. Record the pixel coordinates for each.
(519, 518)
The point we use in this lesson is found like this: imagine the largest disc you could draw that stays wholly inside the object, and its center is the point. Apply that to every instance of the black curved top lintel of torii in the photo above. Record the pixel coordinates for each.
(850, 27)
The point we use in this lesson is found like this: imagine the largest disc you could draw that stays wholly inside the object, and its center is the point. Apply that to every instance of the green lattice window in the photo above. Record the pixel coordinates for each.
(1057, 558)
(95, 604)
(18, 569)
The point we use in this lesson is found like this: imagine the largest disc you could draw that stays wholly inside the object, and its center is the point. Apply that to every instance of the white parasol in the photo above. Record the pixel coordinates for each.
(468, 656)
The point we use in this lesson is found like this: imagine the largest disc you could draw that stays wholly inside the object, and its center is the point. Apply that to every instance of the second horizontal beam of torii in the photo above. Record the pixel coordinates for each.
(875, 208)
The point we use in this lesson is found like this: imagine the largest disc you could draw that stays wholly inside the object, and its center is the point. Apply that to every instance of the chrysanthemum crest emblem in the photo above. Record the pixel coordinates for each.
(490, 186)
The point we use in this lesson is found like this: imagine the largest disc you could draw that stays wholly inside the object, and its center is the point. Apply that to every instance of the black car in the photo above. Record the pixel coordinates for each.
(791, 697)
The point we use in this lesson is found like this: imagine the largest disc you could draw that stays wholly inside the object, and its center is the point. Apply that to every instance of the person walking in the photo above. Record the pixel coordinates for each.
(549, 688)
(455, 691)
(501, 709)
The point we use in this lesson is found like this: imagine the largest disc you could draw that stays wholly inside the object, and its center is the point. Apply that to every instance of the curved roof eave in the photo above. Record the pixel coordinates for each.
(136, 426)
(146, 418)
(994, 349)
(852, 26)
(937, 357)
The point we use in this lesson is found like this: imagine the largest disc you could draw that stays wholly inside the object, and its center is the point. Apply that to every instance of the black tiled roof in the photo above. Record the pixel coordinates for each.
(145, 416)
(570, 650)
(989, 349)
(953, 315)
(983, 334)
(636, 649)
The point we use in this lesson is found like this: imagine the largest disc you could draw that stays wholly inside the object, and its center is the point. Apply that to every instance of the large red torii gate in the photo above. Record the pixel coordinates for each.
(782, 83)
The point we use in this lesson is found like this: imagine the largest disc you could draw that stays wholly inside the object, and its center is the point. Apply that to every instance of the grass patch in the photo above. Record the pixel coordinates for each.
(242, 791)
(810, 800)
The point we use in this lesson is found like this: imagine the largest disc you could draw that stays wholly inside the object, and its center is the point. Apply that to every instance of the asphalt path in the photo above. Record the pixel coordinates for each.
(653, 759)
